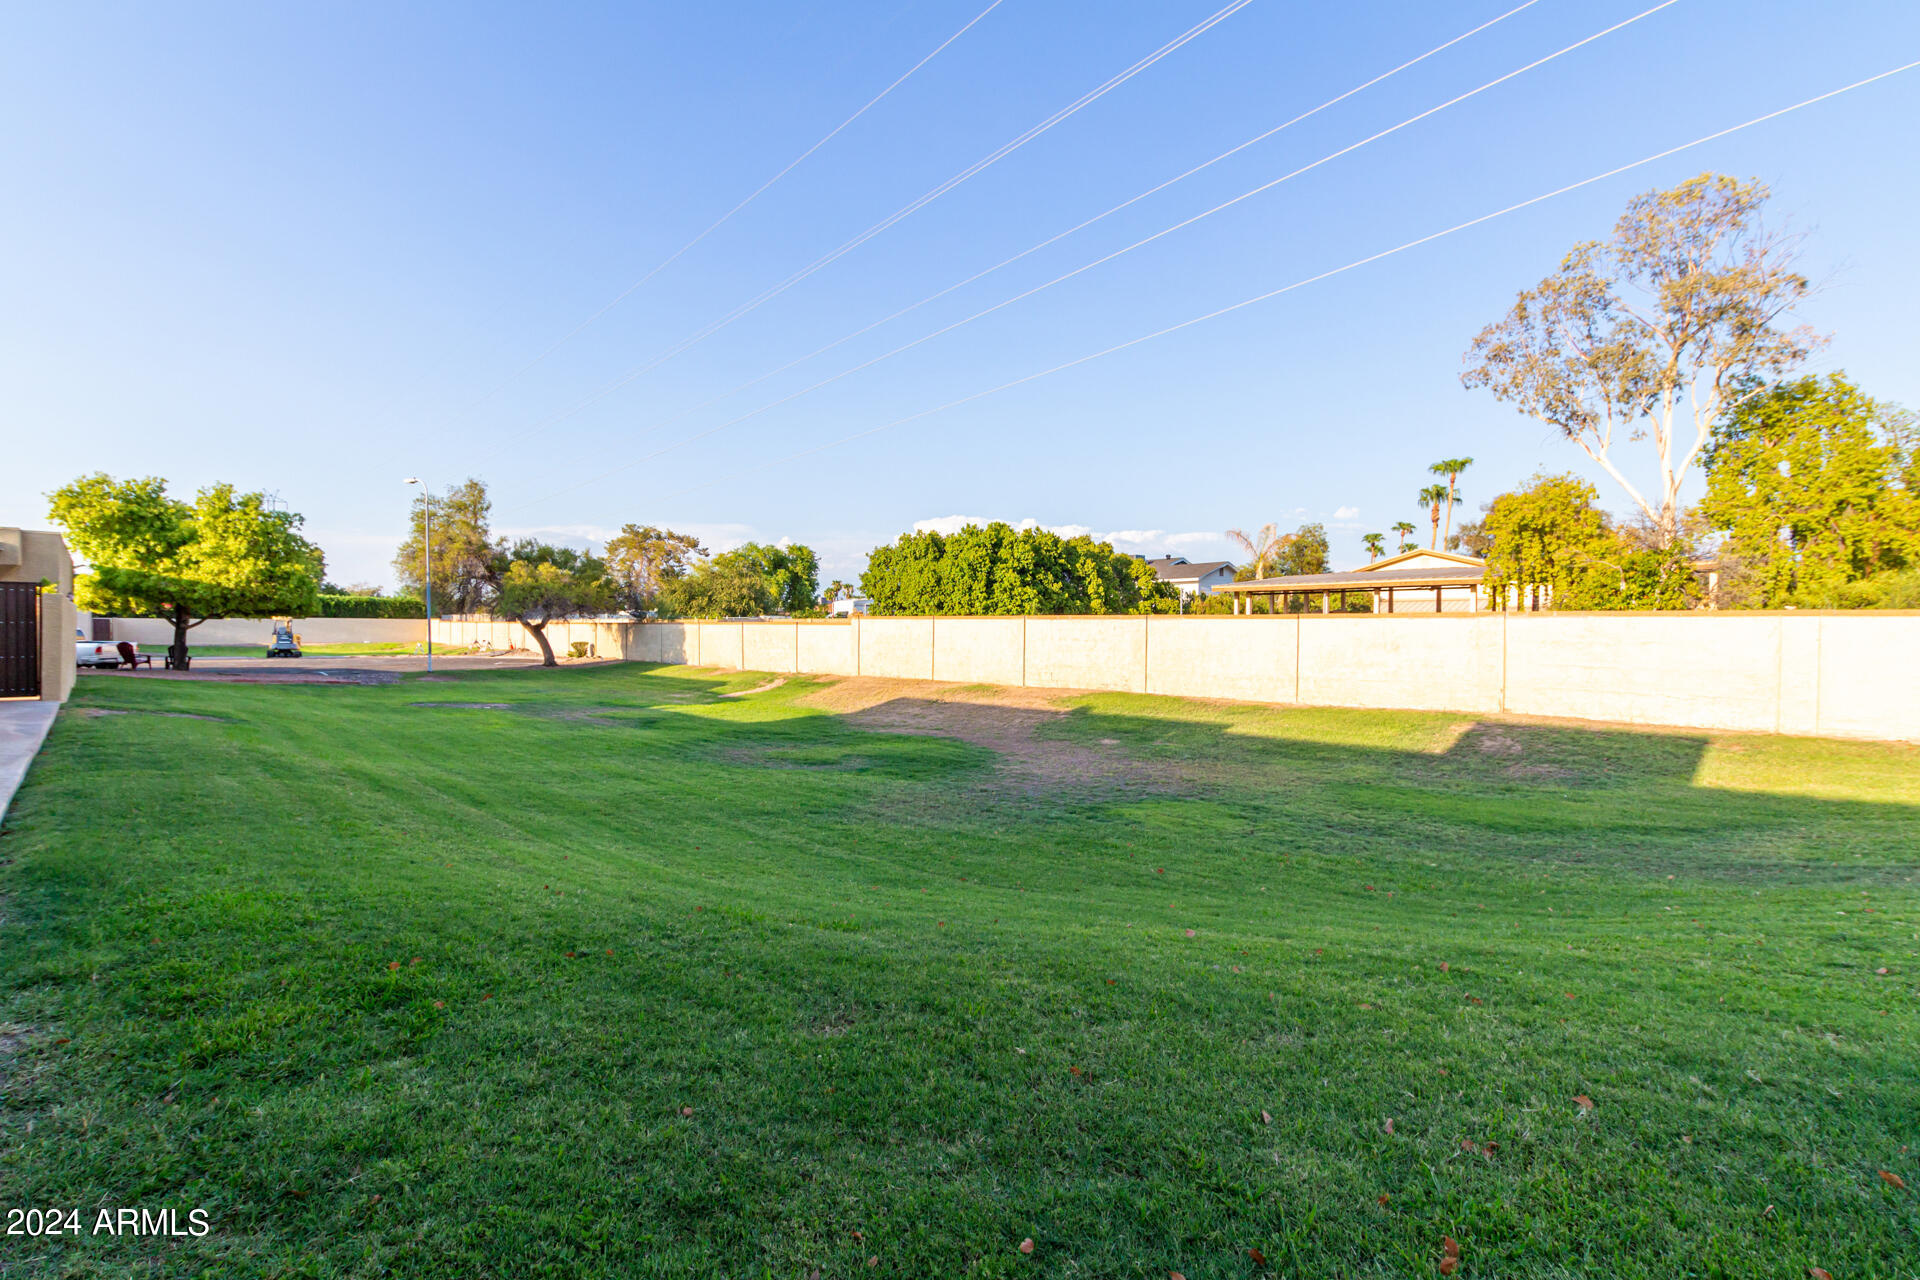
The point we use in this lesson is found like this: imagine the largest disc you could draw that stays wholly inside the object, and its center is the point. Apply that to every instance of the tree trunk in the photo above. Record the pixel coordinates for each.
(177, 651)
(546, 650)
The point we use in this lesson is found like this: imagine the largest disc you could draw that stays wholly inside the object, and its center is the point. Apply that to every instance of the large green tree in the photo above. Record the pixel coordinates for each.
(1654, 334)
(467, 560)
(642, 559)
(1811, 485)
(542, 584)
(997, 569)
(1553, 538)
(223, 555)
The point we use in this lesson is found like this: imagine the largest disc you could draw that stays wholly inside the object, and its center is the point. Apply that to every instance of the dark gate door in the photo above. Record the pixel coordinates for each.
(19, 640)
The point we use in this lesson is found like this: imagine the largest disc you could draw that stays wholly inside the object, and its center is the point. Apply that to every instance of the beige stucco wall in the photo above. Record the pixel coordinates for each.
(1087, 653)
(1250, 658)
(38, 555)
(1436, 662)
(771, 646)
(1846, 675)
(826, 648)
(898, 647)
(158, 633)
(58, 618)
(978, 650)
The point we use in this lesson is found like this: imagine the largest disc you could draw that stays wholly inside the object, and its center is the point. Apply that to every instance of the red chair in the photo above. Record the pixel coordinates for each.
(133, 657)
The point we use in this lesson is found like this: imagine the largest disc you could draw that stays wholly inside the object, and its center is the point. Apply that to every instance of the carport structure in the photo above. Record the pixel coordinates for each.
(1415, 582)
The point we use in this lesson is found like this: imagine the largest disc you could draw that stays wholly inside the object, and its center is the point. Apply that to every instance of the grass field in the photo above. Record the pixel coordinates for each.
(628, 978)
(320, 650)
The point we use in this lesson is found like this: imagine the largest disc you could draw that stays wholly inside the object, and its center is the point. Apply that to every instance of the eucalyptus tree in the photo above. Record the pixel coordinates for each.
(1654, 335)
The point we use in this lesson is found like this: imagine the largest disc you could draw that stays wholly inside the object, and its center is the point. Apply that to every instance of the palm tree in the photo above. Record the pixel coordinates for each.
(1451, 469)
(1376, 545)
(1264, 547)
(1405, 530)
(1431, 497)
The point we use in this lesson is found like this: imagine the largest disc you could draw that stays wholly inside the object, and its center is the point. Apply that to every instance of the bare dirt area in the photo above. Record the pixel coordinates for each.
(1004, 720)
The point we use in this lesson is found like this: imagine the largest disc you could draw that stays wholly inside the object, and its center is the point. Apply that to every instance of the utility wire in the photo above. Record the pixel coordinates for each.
(1301, 283)
(1078, 227)
(1080, 270)
(724, 218)
(906, 211)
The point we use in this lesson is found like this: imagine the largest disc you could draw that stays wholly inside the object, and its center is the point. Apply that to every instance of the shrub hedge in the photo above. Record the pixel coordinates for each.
(371, 607)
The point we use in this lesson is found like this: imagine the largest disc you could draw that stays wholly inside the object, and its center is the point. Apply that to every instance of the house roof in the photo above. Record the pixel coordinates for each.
(1178, 568)
(1465, 575)
(1422, 552)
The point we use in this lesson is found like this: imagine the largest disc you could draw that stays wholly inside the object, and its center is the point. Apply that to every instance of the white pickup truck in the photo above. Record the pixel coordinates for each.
(96, 653)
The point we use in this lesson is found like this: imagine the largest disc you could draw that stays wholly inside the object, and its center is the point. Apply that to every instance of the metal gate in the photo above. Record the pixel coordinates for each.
(19, 640)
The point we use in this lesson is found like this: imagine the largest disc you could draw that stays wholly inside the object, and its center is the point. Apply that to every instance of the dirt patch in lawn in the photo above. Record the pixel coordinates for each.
(774, 683)
(466, 706)
(1006, 721)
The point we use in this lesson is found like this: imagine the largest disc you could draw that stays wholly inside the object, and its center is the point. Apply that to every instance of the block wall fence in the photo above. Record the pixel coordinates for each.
(1853, 675)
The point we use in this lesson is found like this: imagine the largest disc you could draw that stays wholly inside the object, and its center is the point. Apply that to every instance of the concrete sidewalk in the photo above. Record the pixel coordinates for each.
(23, 727)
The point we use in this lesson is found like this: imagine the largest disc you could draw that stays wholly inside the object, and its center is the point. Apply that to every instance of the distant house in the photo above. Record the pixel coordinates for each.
(1192, 579)
(1412, 582)
(847, 606)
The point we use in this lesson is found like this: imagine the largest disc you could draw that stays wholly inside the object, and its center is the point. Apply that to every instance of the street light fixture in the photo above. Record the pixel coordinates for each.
(426, 555)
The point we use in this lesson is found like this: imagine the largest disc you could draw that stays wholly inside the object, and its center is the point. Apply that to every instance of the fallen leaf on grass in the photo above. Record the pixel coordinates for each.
(1389, 1126)
(1449, 1255)
(1819, 1273)
(1189, 933)
(393, 964)
(686, 1111)
(1175, 1275)
(1266, 1117)
(1026, 1246)
(1259, 1258)
(1583, 1101)
(1445, 967)
(1381, 1200)
(1893, 1180)
(439, 1004)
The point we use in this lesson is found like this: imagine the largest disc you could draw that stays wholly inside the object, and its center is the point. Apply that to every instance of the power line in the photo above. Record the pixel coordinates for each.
(724, 218)
(901, 214)
(1080, 270)
(1301, 283)
(1078, 227)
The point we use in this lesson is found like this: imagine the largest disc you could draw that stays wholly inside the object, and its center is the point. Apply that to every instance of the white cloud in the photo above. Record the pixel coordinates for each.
(1346, 513)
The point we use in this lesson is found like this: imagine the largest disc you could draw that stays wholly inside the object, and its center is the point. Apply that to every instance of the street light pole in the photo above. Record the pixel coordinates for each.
(426, 513)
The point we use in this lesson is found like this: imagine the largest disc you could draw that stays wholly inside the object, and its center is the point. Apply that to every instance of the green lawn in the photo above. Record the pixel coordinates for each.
(630, 979)
(318, 650)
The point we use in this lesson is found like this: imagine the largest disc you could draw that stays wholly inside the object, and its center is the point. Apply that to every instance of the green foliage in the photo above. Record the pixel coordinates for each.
(1306, 551)
(997, 569)
(792, 572)
(747, 582)
(1628, 340)
(1551, 536)
(467, 560)
(643, 559)
(224, 555)
(357, 606)
(544, 583)
(1811, 484)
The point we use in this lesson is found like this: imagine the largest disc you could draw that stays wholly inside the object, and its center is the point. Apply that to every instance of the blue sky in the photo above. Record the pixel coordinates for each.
(300, 249)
